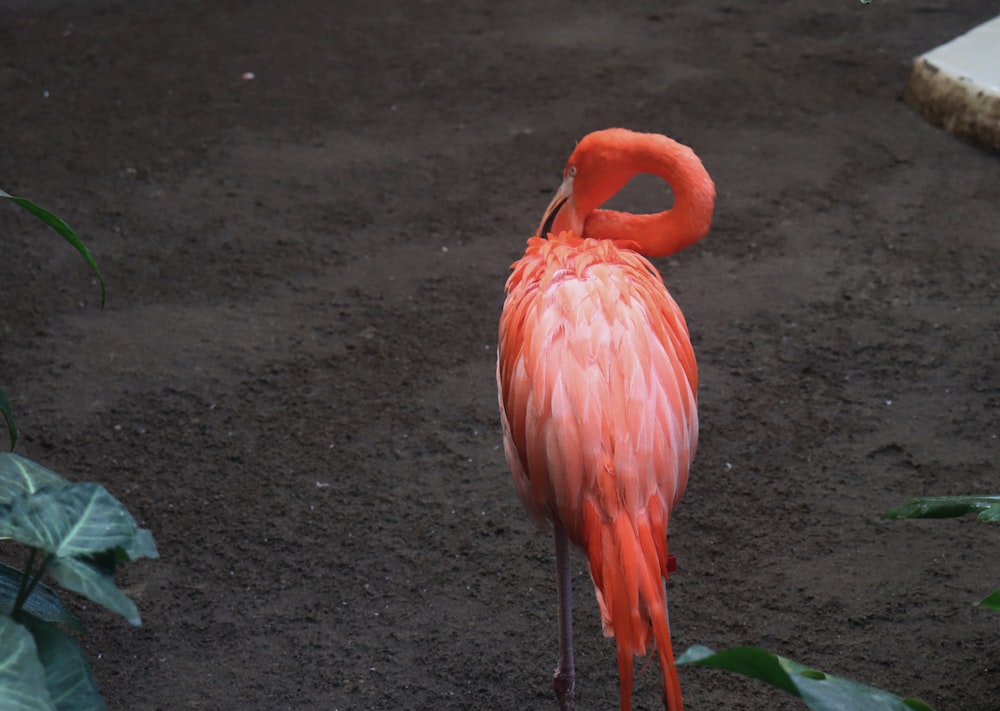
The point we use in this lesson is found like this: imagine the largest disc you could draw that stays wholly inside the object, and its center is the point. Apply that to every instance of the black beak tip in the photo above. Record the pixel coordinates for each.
(550, 218)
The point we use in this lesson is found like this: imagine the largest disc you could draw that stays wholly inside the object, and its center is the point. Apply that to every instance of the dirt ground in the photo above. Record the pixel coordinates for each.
(292, 384)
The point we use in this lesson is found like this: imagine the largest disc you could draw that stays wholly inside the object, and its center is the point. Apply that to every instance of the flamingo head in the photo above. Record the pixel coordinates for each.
(593, 174)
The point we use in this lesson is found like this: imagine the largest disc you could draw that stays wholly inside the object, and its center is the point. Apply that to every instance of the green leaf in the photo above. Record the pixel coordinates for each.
(73, 520)
(20, 476)
(141, 546)
(43, 602)
(949, 507)
(82, 526)
(8, 416)
(63, 229)
(992, 600)
(749, 661)
(90, 581)
(68, 675)
(22, 676)
(820, 691)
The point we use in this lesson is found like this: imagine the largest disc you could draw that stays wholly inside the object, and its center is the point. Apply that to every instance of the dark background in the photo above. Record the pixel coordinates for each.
(292, 383)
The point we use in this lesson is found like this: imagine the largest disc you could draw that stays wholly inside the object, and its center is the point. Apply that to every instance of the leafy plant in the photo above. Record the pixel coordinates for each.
(8, 417)
(820, 691)
(824, 692)
(77, 534)
(988, 508)
(63, 229)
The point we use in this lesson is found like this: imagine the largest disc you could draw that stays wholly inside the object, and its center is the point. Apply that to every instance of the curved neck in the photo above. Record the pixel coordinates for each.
(662, 233)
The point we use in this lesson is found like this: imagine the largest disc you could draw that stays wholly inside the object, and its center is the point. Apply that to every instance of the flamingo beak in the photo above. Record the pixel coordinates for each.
(555, 219)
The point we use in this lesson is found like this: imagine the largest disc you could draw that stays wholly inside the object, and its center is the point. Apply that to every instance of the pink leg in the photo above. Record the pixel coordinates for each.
(565, 677)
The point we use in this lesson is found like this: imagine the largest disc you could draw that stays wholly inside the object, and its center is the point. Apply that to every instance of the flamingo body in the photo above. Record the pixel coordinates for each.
(597, 388)
(597, 384)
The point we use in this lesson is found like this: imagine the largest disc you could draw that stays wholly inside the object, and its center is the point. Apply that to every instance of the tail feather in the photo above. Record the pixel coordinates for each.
(628, 563)
(624, 676)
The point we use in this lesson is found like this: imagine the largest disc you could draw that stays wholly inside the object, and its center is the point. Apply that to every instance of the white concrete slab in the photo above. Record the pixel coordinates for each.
(957, 85)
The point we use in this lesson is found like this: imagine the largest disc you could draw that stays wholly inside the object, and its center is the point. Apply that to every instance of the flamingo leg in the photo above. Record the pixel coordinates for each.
(564, 680)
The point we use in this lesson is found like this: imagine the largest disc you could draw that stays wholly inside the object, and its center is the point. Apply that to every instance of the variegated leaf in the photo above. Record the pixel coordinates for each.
(68, 675)
(72, 520)
(43, 602)
(22, 676)
(19, 475)
(82, 577)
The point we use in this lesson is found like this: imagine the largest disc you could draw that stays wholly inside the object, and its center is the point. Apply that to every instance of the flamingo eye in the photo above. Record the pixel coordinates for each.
(571, 171)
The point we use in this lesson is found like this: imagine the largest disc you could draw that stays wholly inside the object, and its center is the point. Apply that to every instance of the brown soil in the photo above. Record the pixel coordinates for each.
(292, 382)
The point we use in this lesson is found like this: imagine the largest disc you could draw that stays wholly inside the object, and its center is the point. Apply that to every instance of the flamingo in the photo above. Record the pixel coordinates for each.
(597, 385)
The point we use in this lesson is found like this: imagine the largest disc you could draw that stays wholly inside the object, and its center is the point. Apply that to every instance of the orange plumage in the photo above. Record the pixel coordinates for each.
(597, 386)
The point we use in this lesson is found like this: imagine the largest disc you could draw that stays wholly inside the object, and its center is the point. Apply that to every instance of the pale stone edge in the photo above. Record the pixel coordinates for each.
(954, 103)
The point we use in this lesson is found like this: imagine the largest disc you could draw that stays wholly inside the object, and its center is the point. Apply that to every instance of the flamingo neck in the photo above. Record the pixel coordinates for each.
(662, 233)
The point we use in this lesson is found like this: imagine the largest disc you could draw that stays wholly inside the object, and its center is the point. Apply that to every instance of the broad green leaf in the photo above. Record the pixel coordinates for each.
(63, 229)
(22, 676)
(19, 476)
(992, 514)
(68, 676)
(141, 546)
(72, 520)
(749, 661)
(949, 507)
(992, 600)
(90, 581)
(8, 416)
(820, 691)
(43, 602)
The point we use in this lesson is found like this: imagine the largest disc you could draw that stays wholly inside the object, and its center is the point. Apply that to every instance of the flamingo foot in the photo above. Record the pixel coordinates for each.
(563, 683)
